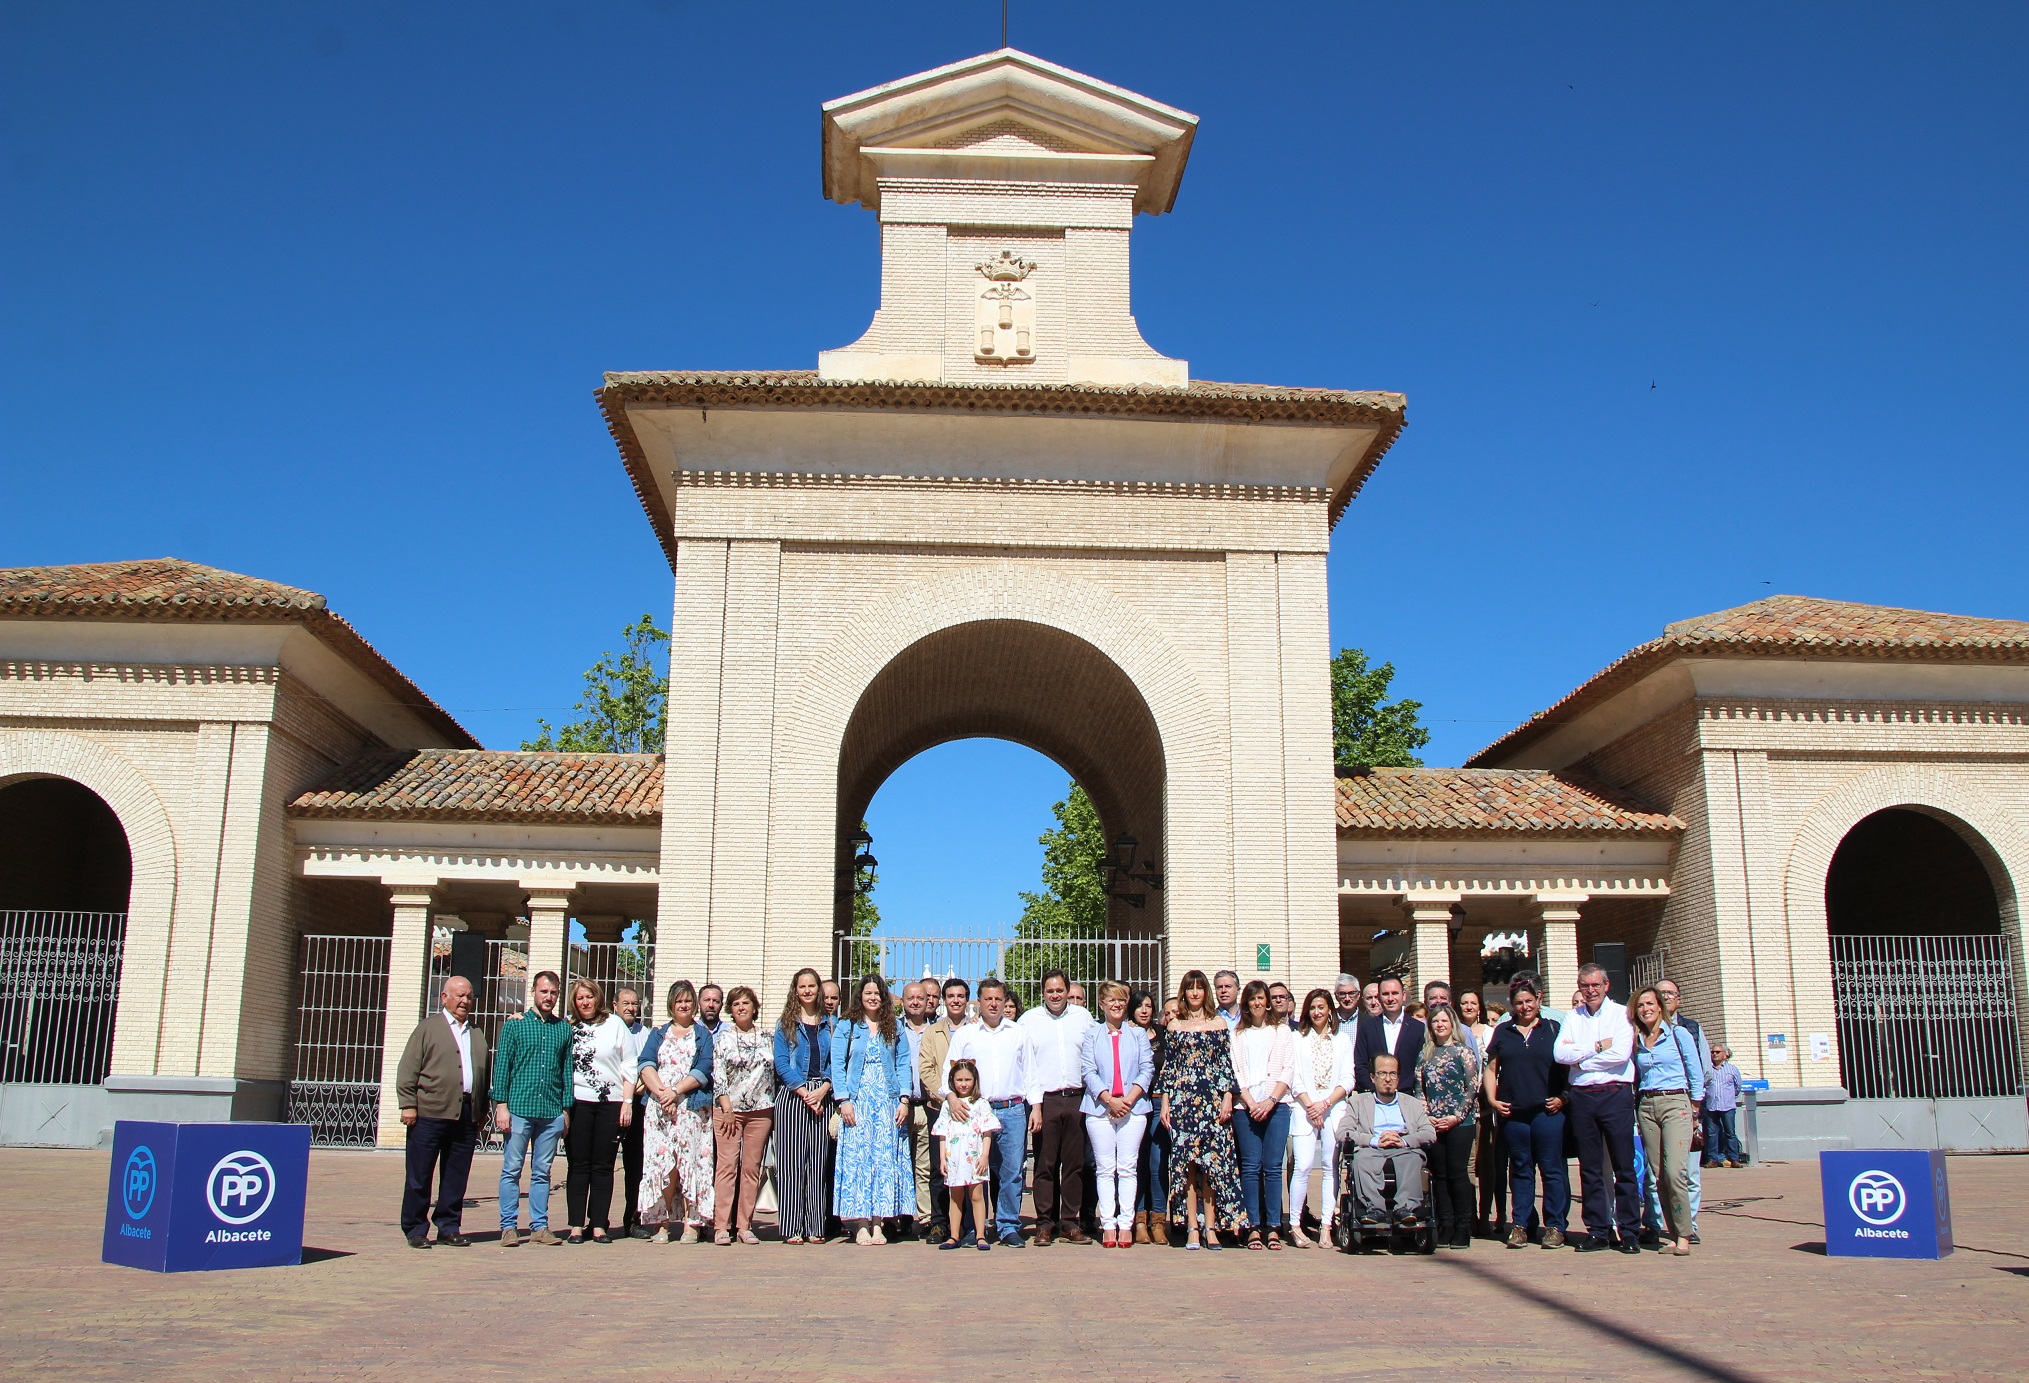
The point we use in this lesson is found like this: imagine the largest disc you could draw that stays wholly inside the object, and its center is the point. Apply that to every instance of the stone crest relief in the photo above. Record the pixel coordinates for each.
(1006, 320)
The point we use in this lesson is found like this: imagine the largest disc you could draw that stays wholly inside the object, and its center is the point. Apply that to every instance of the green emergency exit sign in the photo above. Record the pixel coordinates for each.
(1261, 956)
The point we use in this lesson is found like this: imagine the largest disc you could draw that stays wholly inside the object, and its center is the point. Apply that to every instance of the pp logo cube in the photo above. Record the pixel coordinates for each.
(240, 1187)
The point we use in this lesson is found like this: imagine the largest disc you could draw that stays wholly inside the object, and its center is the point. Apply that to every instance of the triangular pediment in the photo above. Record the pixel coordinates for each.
(1021, 115)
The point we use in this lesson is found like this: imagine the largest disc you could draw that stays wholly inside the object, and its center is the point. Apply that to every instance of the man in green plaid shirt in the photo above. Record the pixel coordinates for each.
(531, 1105)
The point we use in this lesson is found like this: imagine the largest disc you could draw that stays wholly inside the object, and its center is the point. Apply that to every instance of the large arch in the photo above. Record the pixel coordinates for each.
(1980, 821)
(151, 901)
(811, 787)
(1030, 683)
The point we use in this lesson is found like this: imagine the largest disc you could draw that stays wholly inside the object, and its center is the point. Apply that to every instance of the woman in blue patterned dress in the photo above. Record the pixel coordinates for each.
(1197, 1087)
(876, 1177)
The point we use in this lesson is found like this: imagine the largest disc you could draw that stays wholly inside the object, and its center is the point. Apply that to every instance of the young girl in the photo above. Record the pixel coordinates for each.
(967, 1145)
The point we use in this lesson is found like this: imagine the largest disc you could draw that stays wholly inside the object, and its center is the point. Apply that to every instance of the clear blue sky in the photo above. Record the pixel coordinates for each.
(1692, 304)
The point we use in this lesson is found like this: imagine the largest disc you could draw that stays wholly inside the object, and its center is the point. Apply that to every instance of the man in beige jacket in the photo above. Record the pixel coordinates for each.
(441, 1089)
(1387, 1128)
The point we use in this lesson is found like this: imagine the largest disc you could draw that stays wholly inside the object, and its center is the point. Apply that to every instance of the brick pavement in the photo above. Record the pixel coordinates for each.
(1758, 1301)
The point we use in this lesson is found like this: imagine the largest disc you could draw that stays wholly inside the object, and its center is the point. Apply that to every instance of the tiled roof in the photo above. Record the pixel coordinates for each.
(492, 785)
(170, 588)
(1460, 801)
(1786, 626)
(1201, 399)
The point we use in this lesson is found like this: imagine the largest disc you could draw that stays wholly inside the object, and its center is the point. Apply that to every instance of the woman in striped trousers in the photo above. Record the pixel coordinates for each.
(803, 1112)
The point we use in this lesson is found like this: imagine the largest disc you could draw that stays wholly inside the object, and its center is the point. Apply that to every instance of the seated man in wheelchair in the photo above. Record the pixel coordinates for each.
(1386, 1129)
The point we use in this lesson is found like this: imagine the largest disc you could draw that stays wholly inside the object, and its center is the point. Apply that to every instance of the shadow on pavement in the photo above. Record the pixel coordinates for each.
(311, 1255)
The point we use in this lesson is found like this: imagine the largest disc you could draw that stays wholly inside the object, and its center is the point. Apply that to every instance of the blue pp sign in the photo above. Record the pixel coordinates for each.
(1886, 1204)
(195, 1197)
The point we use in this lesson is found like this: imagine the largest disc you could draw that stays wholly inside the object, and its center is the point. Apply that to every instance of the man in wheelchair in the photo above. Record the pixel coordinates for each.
(1386, 1132)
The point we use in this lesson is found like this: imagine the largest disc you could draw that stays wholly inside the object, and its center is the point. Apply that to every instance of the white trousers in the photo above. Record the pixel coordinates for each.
(1116, 1153)
(1313, 1148)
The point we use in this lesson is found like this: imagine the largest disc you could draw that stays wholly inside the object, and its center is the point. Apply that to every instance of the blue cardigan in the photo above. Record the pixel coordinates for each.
(792, 1055)
(700, 1062)
(854, 1046)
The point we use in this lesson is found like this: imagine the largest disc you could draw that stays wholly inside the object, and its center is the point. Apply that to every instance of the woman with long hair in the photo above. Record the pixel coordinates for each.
(743, 1087)
(1322, 1077)
(1264, 1058)
(803, 1111)
(1198, 1087)
(602, 1103)
(1448, 1075)
(676, 1147)
(1151, 1202)
(876, 1177)
(1669, 1090)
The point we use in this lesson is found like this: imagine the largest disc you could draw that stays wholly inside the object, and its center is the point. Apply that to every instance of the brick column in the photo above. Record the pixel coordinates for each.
(1553, 944)
(1429, 915)
(407, 968)
(549, 930)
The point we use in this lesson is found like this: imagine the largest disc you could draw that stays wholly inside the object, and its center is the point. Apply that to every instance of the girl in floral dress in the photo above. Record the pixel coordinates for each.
(876, 1175)
(967, 1144)
(676, 1143)
(1197, 1086)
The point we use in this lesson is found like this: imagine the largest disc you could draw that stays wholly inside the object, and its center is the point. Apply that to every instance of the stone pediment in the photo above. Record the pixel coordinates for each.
(1005, 116)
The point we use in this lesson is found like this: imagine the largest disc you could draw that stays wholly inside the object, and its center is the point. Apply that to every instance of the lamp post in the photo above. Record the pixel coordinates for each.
(1117, 871)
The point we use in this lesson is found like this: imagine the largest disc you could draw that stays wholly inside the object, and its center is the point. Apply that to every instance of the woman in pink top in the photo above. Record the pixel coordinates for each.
(1264, 1065)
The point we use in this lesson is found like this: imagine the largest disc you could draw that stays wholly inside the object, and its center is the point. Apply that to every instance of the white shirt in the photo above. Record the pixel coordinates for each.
(1580, 1032)
(1057, 1046)
(1003, 1056)
(1391, 1031)
(638, 1031)
(463, 1033)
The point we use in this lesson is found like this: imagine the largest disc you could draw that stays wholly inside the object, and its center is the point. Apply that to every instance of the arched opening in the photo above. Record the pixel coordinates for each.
(1049, 691)
(1923, 979)
(65, 873)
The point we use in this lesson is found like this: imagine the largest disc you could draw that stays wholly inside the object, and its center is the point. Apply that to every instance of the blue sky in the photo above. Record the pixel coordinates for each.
(1691, 304)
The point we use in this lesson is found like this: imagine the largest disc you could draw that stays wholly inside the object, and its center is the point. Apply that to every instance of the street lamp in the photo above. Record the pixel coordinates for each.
(1117, 870)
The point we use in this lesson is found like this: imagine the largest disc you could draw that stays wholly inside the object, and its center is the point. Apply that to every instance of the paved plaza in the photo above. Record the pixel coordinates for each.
(1760, 1300)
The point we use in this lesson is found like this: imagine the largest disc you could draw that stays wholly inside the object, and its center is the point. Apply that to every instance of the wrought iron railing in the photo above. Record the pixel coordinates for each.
(341, 1016)
(59, 987)
(1927, 1017)
(1021, 961)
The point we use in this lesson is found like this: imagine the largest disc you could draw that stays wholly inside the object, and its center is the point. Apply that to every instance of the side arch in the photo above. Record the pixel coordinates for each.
(151, 899)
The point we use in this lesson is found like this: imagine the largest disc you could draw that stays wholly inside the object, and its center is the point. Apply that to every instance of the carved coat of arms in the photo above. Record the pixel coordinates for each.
(1006, 311)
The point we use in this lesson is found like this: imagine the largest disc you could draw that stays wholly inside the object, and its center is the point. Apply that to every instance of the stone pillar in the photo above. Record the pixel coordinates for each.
(549, 930)
(408, 966)
(1553, 944)
(1429, 916)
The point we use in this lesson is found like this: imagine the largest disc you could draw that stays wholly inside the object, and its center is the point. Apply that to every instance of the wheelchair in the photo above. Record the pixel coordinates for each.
(1349, 1236)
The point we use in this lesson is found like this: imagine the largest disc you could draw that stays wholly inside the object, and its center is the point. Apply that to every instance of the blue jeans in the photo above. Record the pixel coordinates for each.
(1010, 1150)
(1154, 1195)
(543, 1133)
(1536, 1140)
(1722, 1139)
(1262, 1144)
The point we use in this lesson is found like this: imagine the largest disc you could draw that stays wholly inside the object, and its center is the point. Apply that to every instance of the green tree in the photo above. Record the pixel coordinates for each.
(625, 708)
(1072, 903)
(1366, 727)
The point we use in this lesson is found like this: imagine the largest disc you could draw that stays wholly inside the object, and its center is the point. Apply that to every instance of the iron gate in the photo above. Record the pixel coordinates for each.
(1021, 961)
(1927, 1017)
(617, 965)
(341, 1014)
(59, 984)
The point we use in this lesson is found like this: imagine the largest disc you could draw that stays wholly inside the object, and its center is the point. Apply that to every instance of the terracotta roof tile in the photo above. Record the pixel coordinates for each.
(1786, 626)
(492, 785)
(170, 588)
(1257, 403)
(1441, 801)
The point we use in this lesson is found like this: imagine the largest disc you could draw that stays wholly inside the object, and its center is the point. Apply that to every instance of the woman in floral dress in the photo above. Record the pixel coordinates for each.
(876, 1175)
(676, 1144)
(1197, 1088)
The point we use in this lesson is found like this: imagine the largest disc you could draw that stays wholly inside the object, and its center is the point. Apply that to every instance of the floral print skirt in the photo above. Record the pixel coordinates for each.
(676, 1166)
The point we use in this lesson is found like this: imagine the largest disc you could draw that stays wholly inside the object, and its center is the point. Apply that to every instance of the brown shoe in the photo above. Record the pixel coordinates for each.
(509, 1237)
(1075, 1235)
(544, 1237)
(1158, 1229)
(1044, 1236)
(1141, 1226)
(1553, 1238)
(1518, 1238)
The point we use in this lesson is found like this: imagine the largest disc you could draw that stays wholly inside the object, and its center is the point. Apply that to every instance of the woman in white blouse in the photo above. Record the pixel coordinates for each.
(1322, 1078)
(602, 1103)
(1264, 1054)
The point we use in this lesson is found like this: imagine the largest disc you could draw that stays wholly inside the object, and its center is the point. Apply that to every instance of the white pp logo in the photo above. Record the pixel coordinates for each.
(1877, 1198)
(240, 1187)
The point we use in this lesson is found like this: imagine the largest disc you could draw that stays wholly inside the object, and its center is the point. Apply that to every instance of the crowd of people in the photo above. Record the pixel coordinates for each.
(1195, 1120)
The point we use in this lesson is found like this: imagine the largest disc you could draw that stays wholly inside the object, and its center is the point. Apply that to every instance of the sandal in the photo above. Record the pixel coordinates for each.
(1254, 1239)
(794, 1239)
(1274, 1242)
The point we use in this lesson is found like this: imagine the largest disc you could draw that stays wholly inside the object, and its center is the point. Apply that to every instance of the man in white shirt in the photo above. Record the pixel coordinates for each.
(1056, 1031)
(1006, 1082)
(1226, 990)
(627, 1003)
(1597, 1042)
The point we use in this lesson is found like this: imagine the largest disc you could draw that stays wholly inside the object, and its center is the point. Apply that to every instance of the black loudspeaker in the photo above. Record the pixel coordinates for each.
(1611, 956)
(468, 958)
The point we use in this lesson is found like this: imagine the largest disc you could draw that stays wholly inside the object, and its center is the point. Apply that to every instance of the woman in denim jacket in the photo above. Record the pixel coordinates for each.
(876, 1177)
(803, 1111)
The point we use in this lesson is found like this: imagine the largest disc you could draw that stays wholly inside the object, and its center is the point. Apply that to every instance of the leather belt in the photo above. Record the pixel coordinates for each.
(1007, 1104)
(1673, 1090)
(1067, 1090)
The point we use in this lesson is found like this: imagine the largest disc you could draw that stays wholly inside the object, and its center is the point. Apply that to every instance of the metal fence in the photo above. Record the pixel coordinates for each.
(1927, 1017)
(1021, 961)
(59, 984)
(341, 1014)
(614, 965)
(1644, 972)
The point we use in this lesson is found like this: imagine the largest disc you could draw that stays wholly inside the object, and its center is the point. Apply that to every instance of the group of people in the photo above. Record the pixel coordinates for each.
(1196, 1120)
